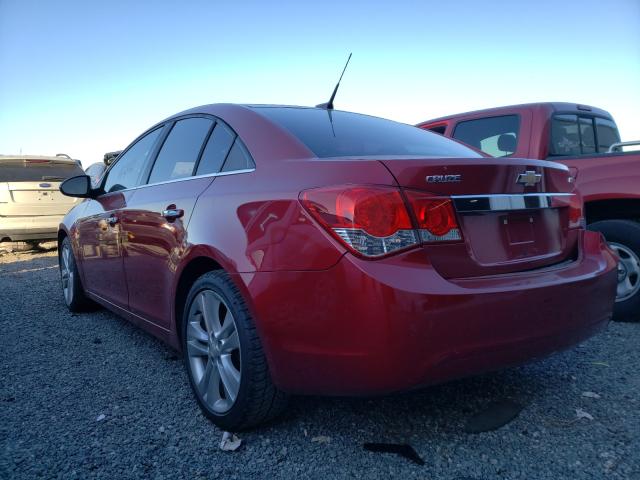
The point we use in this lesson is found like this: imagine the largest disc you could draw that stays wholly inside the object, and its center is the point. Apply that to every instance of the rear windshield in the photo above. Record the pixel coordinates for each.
(36, 171)
(343, 134)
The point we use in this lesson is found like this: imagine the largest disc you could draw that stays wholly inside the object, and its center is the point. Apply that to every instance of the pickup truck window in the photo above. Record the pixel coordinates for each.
(607, 134)
(497, 136)
(568, 139)
(440, 129)
(587, 135)
(565, 138)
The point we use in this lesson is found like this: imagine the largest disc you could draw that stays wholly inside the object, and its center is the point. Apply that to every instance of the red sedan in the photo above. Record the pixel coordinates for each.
(307, 250)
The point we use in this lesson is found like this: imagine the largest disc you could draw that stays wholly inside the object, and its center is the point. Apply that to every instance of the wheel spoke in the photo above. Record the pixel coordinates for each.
(65, 257)
(231, 343)
(196, 332)
(230, 377)
(197, 349)
(212, 395)
(228, 327)
(631, 265)
(627, 284)
(628, 272)
(209, 308)
(203, 384)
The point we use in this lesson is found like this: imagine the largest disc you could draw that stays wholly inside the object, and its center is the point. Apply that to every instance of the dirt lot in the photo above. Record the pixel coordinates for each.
(91, 396)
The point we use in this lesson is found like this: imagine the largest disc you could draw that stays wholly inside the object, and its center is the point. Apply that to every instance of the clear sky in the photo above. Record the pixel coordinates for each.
(84, 77)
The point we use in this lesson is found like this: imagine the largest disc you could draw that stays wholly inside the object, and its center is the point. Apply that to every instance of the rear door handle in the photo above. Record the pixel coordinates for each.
(172, 213)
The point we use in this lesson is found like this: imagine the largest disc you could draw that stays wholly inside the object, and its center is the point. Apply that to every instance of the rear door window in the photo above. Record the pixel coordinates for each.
(179, 153)
(607, 132)
(216, 150)
(497, 136)
(36, 170)
(127, 171)
(238, 158)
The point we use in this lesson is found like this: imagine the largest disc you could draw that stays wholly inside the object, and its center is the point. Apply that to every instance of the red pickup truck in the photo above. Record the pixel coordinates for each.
(586, 139)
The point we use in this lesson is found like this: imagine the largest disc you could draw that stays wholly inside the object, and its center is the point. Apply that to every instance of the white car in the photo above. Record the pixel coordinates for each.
(31, 205)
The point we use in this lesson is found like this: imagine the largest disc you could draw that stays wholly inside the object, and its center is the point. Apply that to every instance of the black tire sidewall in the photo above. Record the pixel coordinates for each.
(627, 233)
(220, 283)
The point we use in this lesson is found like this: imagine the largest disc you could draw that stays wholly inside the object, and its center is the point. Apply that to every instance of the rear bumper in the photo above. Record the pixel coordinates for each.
(367, 327)
(30, 228)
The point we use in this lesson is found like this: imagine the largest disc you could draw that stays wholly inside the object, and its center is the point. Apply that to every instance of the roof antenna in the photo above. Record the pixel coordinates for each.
(329, 104)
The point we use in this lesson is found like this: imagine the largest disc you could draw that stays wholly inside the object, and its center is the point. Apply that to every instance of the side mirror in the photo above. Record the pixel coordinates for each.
(79, 186)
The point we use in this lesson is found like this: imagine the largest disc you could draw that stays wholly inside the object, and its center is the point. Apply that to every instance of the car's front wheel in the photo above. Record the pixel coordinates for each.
(623, 236)
(223, 355)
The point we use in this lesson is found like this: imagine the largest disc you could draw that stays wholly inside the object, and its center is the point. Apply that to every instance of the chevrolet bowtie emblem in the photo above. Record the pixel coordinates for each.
(529, 178)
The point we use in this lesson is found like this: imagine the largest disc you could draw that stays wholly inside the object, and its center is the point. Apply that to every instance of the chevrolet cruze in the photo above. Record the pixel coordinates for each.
(312, 251)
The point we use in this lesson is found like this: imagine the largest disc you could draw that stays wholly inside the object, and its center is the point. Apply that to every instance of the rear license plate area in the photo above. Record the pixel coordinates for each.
(519, 228)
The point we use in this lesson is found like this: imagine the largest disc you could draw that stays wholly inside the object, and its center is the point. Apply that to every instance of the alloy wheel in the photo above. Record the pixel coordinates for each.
(213, 349)
(628, 272)
(66, 273)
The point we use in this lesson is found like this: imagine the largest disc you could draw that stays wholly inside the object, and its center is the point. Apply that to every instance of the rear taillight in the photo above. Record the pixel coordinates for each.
(575, 207)
(435, 216)
(576, 212)
(373, 221)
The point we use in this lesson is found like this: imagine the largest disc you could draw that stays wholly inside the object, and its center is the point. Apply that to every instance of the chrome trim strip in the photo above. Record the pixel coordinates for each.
(504, 202)
(184, 179)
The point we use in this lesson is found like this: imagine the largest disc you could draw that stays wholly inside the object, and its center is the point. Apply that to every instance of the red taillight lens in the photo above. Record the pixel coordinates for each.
(374, 221)
(575, 207)
(435, 216)
(576, 212)
(371, 221)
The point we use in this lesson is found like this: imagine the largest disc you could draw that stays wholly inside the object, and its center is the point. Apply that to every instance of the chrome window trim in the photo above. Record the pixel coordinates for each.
(504, 202)
(183, 179)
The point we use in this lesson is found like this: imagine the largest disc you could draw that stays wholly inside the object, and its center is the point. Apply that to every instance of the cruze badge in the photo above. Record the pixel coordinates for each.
(529, 178)
(444, 178)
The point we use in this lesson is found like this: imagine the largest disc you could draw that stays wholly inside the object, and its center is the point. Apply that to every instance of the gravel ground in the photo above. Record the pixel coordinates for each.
(91, 396)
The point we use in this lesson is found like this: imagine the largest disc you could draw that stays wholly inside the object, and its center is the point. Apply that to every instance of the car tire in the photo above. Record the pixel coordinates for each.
(623, 236)
(223, 355)
(72, 290)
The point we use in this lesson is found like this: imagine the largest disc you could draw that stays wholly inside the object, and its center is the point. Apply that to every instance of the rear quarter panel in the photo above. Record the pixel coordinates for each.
(253, 222)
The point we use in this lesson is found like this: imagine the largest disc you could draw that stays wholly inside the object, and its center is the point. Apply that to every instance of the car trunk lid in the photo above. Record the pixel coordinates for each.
(514, 214)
